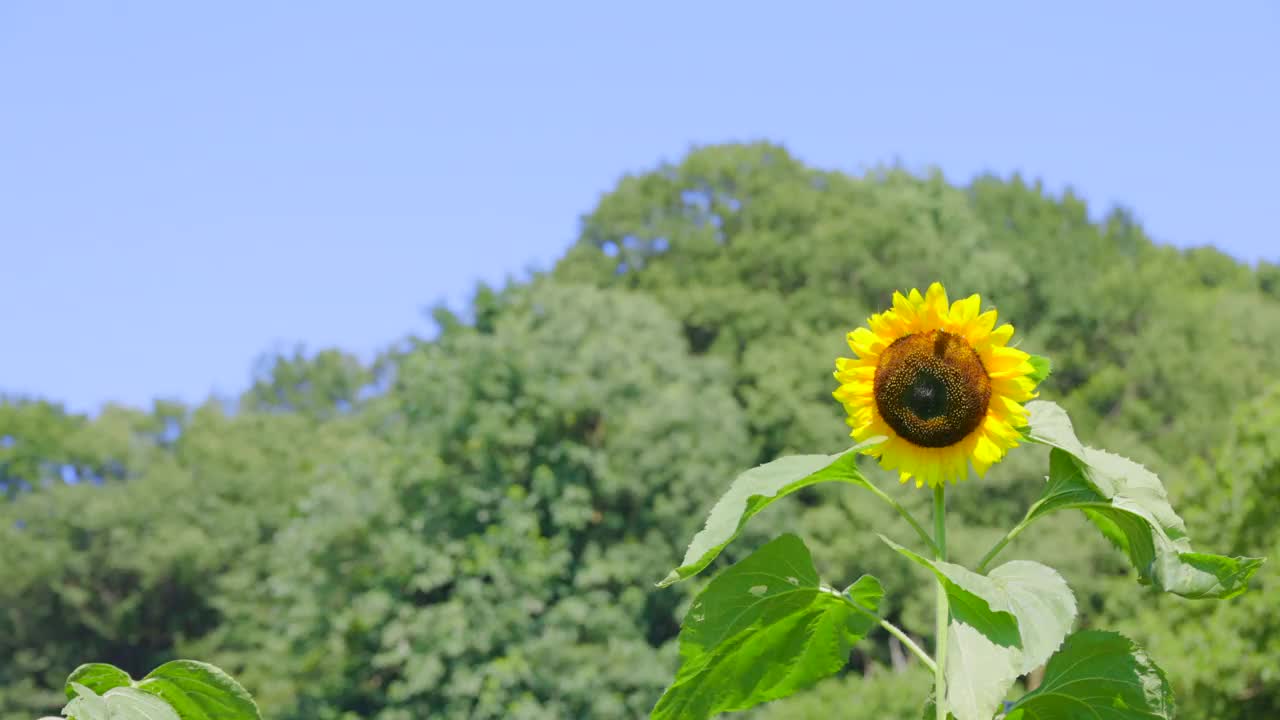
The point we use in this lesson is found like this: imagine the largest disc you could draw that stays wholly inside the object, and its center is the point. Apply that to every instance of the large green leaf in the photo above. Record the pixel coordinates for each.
(979, 671)
(1003, 624)
(200, 691)
(764, 629)
(1128, 503)
(1049, 424)
(1043, 603)
(98, 677)
(1098, 675)
(118, 703)
(756, 489)
(185, 689)
(1042, 368)
(975, 600)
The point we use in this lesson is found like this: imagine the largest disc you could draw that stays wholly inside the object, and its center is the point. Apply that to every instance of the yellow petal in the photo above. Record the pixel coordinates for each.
(865, 343)
(1007, 409)
(999, 336)
(1000, 432)
(936, 307)
(1019, 388)
(986, 454)
(902, 306)
(855, 368)
(936, 296)
(887, 325)
(1006, 362)
(850, 391)
(965, 311)
(980, 328)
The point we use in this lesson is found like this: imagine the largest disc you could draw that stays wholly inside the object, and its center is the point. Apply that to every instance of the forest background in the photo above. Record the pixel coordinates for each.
(471, 525)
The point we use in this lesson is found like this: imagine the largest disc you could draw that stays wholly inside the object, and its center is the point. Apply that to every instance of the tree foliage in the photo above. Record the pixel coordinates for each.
(471, 525)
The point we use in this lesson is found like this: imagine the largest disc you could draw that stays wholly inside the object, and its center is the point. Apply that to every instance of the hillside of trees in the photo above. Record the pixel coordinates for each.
(472, 526)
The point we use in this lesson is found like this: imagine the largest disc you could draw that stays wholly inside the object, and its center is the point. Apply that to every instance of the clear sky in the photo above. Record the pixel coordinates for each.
(184, 186)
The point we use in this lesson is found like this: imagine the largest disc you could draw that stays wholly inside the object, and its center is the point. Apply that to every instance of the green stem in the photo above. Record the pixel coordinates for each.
(943, 611)
(895, 631)
(995, 549)
(906, 515)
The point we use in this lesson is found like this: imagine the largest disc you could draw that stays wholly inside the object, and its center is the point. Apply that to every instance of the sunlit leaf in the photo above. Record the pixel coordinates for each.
(764, 629)
(98, 677)
(1043, 603)
(1042, 368)
(1049, 424)
(753, 491)
(979, 673)
(1003, 624)
(118, 703)
(200, 691)
(185, 689)
(1128, 504)
(975, 600)
(1098, 675)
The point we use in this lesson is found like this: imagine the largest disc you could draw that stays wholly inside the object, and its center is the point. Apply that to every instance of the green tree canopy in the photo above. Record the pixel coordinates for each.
(471, 524)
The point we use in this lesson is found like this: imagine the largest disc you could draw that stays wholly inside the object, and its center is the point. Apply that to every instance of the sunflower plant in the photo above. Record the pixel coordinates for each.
(177, 690)
(936, 388)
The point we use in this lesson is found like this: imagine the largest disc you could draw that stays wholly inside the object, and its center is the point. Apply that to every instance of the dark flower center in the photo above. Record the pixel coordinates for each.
(932, 388)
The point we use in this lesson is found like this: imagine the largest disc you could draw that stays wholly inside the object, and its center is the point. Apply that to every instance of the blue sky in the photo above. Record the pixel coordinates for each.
(185, 186)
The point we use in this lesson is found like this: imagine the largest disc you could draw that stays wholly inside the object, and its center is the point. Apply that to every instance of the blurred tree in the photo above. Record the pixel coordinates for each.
(471, 526)
(497, 560)
(43, 445)
(1222, 656)
(122, 572)
(327, 383)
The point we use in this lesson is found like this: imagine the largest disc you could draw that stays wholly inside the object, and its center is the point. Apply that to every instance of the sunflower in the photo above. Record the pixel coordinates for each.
(940, 383)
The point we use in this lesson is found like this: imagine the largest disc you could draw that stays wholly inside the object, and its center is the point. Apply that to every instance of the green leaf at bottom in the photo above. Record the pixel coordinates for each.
(980, 672)
(98, 677)
(1003, 624)
(178, 690)
(118, 703)
(1098, 674)
(761, 630)
(200, 691)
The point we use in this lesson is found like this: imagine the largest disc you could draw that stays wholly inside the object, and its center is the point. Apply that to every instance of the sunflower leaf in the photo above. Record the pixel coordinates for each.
(1049, 424)
(98, 677)
(1042, 368)
(1043, 603)
(975, 600)
(180, 690)
(1100, 674)
(118, 703)
(756, 489)
(980, 672)
(768, 606)
(1128, 504)
(1027, 599)
(200, 691)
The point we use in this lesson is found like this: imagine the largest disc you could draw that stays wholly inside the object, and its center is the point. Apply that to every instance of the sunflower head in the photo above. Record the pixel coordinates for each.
(939, 381)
